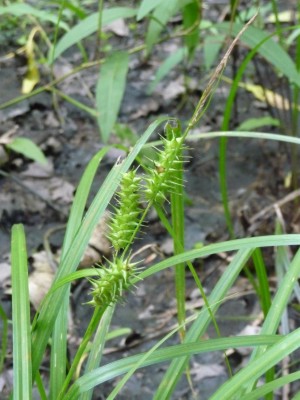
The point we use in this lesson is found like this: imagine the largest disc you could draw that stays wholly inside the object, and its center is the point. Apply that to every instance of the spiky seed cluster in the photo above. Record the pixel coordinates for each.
(126, 216)
(113, 280)
(161, 179)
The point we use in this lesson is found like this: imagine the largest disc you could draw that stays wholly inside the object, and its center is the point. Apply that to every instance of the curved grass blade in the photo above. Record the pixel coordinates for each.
(272, 386)
(255, 369)
(59, 338)
(117, 368)
(198, 328)
(230, 245)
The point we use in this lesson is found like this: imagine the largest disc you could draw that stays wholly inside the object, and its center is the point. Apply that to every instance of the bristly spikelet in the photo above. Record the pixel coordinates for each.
(161, 179)
(125, 219)
(113, 280)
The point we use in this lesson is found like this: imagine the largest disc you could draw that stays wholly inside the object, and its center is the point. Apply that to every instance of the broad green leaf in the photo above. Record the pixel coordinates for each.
(254, 123)
(21, 9)
(110, 90)
(169, 63)
(89, 26)
(270, 50)
(28, 148)
(146, 7)
(22, 367)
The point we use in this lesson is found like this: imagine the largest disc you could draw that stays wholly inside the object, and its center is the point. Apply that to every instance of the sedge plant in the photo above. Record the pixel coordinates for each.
(136, 193)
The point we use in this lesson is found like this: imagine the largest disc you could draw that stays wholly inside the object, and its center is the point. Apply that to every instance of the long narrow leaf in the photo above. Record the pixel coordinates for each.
(270, 49)
(231, 245)
(21, 316)
(96, 351)
(59, 338)
(110, 90)
(231, 389)
(198, 328)
(116, 368)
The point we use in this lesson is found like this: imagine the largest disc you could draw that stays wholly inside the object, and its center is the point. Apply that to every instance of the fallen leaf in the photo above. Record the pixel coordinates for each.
(118, 27)
(40, 280)
(201, 371)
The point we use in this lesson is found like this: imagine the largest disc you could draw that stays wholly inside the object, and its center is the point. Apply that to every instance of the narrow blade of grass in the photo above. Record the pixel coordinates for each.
(255, 369)
(279, 303)
(21, 316)
(59, 338)
(96, 351)
(198, 328)
(117, 368)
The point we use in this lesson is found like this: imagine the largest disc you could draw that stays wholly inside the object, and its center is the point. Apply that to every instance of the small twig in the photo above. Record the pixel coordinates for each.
(265, 212)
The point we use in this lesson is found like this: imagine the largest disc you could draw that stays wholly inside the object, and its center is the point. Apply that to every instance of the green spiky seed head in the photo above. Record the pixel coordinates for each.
(125, 218)
(112, 281)
(161, 179)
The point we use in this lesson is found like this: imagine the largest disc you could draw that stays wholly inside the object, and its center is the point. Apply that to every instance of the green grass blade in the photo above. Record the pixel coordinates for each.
(177, 213)
(198, 328)
(272, 386)
(255, 369)
(250, 135)
(264, 289)
(258, 46)
(231, 245)
(4, 319)
(266, 47)
(117, 368)
(59, 337)
(96, 351)
(279, 303)
(50, 308)
(94, 322)
(22, 366)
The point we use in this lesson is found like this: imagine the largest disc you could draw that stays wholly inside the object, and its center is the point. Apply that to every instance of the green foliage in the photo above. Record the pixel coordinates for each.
(28, 148)
(162, 180)
(110, 90)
